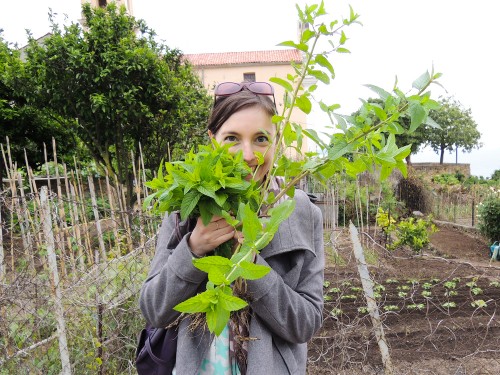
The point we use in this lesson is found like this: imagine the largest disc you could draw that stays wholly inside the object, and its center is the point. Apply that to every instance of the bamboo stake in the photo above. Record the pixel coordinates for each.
(2, 254)
(27, 220)
(378, 206)
(150, 225)
(52, 260)
(137, 179)
(76, 228)
(88, 243)
(112, 214)
(126, 222)
(8, 168)
(333, 216)
(120, 203)
(101, 193)
(19, 213)
(367, 284)
(36, 206)
(97, 222)
(70, 209)
(367, 210)
(61, 225)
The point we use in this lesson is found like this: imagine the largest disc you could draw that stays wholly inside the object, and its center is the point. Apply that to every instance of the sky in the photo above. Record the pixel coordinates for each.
(397, 38)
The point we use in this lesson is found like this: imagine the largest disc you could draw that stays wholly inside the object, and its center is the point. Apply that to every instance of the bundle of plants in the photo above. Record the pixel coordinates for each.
(216, 182)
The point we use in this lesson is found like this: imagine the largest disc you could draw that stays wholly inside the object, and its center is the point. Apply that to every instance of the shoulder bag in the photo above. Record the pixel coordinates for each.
(156, 351)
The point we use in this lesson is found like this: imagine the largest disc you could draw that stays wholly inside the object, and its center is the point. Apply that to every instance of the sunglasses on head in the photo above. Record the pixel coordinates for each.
(258, 88)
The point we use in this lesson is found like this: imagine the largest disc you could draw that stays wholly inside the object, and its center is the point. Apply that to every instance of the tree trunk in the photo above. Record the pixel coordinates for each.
(441, 156)
(408, 160)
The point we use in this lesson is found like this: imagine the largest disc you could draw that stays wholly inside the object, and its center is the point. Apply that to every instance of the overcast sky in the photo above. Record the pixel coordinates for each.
(397, 38)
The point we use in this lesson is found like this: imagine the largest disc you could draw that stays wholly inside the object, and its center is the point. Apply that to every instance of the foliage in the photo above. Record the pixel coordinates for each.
(364, 143)
(457, 128)
(117, 90)
(489, 217)
(210, 182)
(26, 127)
(496, 175)
(409, 232)
(416, 138)
(446, 179)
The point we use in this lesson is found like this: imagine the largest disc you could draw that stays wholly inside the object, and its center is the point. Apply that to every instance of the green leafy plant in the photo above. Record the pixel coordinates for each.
(336, 312)
(391, 308)
(365, 142)
(410, 232)
(495, 284)
(417, 306)
(363, 310)
(479, 303)
(426, 293)
(489, 217)
(449, 305)
(450, 284)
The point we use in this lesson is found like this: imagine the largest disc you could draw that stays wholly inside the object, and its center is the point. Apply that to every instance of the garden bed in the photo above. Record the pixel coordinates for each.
(439, 309)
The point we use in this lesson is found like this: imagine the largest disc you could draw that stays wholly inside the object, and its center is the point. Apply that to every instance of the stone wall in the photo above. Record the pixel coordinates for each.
(436, 168)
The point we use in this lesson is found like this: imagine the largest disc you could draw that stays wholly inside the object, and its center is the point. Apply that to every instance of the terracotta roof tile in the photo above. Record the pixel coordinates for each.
(250, 57)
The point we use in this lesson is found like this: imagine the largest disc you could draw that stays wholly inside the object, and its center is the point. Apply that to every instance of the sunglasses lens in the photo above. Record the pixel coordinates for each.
(261, 88)
(227, 88)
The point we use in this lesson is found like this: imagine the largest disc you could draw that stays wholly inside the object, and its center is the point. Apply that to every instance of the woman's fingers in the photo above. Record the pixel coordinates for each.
(206, 238)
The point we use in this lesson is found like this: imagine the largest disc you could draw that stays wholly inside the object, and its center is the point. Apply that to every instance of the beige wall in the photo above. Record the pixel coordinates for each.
(210, 77)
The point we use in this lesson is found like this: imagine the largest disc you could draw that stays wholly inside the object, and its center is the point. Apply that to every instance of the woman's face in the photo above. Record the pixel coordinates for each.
(250, 130)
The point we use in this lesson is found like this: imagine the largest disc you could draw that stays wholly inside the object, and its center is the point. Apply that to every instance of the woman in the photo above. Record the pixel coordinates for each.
(285, 306)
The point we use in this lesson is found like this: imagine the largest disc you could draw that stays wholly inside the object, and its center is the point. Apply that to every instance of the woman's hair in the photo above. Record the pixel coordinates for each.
(225, 106)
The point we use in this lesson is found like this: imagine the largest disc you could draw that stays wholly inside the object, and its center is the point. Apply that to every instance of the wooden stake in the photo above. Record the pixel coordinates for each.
(126, 221)
(62, 214)
(71, 216)
(29, 253)
(76, 229)
(112, 215)
(46, 165)
(97, 222)
(137, 179)
(57, 296)
(2, 254)
(81, 200)
(367, 284)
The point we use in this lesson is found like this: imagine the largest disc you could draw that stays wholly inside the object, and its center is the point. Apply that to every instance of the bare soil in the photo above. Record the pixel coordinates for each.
(439, 309)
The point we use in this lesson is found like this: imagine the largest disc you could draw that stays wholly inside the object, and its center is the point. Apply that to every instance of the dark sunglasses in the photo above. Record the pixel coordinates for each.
(258, 88)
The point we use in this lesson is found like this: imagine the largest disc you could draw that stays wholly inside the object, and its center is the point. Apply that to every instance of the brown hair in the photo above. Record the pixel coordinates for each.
(225, 106)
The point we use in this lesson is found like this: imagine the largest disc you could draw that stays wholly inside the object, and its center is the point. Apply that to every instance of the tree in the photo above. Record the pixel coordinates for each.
(457, 128)
(496, 175)
(118, 89)
(27, 128)
(416, 138)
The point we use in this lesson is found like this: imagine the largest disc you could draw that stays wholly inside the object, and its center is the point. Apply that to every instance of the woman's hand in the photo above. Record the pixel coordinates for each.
(204, 239)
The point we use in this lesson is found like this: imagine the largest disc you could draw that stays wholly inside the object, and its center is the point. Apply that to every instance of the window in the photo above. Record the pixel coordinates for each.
(103, 3)
(248, 77)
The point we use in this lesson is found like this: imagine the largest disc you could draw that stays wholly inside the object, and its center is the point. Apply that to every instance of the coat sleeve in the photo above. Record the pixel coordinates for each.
(172, 277)
(294, 313)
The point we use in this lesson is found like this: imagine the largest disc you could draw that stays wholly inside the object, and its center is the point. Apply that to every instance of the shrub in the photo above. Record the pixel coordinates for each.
(489, 218)
(412, 192)
(410, 232)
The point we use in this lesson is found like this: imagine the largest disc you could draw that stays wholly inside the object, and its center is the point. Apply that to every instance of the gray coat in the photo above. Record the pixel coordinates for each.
(286, 304)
